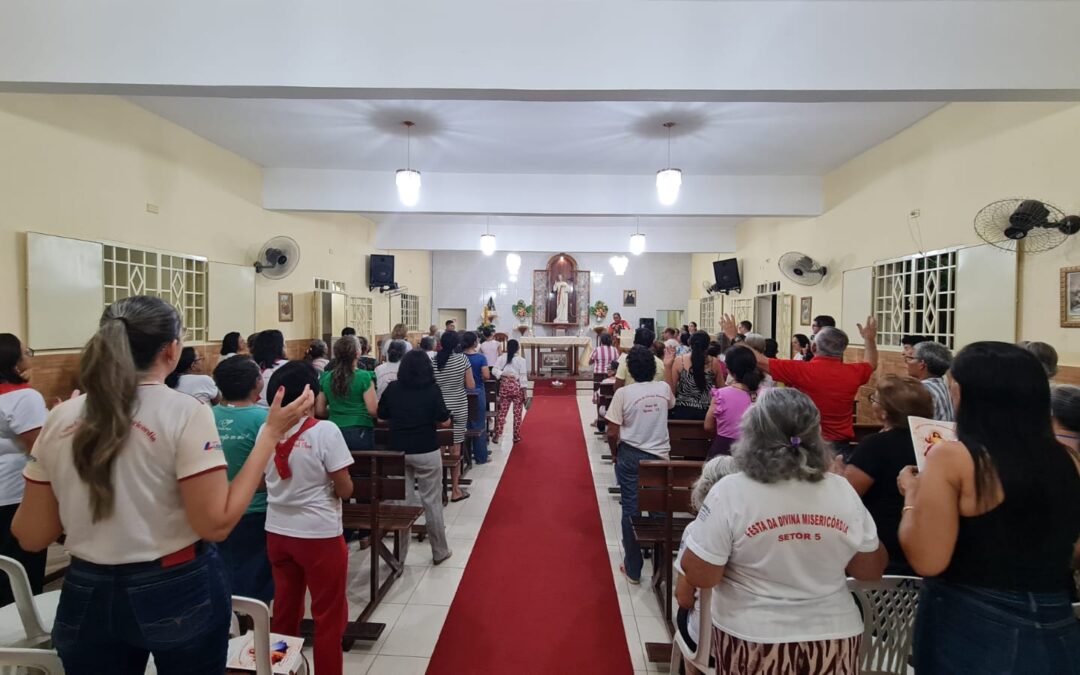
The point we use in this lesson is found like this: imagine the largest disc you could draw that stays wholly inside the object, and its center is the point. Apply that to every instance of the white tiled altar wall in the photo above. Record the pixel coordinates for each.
(465, 279)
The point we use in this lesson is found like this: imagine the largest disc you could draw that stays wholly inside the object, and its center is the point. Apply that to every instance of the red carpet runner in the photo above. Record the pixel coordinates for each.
(537, 595)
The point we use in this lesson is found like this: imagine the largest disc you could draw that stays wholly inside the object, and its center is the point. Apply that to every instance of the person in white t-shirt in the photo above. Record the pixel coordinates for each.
(688, 616)
(304, 487)
(490, 347)
(268, 352)
(637, 422)
(133, 473)
(188, 378)
(22, 414)
(512, 372)
(778, 541)
(386, 372)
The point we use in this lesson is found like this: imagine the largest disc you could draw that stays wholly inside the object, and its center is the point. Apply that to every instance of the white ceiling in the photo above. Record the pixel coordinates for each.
(517, 137)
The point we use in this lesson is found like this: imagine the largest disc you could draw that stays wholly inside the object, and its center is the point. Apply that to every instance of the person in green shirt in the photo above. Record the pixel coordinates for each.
(239, 421)
(348, 396)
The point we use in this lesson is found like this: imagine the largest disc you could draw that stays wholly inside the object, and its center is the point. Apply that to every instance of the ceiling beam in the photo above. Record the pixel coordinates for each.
(826, 50)
(552, 194)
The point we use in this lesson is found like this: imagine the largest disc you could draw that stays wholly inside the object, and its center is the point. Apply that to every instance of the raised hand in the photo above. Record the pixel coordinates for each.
(283, 418)
(868, 333)
(729, 326)
(669, 356)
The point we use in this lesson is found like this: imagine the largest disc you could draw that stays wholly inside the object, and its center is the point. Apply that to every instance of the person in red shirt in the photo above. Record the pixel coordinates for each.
(830, 383)
(617, 324)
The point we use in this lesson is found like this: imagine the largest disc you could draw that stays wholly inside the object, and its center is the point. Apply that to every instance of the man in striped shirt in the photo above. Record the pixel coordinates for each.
(928, 362)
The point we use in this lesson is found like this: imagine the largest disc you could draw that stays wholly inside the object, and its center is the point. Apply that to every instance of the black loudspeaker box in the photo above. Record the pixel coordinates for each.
(648, 323)
(727, 275)
(381, 272)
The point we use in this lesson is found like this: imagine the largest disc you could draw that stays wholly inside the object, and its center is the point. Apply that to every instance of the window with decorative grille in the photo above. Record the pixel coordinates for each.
(358, 315)
(916, 295)
(179, 280)
(410, 311)
(707, 313)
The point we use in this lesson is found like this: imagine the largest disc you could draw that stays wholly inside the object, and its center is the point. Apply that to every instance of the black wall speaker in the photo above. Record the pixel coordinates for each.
(647, 323)
(727, 275)
(381, 270)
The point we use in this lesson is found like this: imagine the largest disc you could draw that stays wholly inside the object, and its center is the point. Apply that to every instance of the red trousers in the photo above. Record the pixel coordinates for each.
(318, 565)
(510, 393)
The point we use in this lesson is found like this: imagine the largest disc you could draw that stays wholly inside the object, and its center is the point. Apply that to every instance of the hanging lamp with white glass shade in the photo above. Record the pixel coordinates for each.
(668, 179)
(619, 263)
(408, 179)
(487, 241)
(637, 241)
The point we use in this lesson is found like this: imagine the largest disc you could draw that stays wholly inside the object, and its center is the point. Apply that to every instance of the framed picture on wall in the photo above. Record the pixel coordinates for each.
(629, 298)
(1070, 297)
(806, 311)
(284, 306)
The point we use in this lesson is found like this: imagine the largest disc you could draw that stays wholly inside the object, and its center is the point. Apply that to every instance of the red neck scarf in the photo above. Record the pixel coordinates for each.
(285, 448)
(7, 388)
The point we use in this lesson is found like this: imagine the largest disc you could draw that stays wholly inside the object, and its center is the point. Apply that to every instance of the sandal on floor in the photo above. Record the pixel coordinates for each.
(463, 497)
(442, 560)
(634, 582)
(517, 440)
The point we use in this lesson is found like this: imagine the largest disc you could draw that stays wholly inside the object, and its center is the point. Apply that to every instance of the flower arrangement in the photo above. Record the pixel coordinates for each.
(521, 310)
(599, 310)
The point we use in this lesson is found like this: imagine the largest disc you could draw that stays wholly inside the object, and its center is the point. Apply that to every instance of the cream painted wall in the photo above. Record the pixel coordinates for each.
(86, 166)
(948, 166)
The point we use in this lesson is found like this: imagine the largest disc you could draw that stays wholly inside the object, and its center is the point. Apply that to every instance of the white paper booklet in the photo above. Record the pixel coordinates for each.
(926, 433)
(285, 653)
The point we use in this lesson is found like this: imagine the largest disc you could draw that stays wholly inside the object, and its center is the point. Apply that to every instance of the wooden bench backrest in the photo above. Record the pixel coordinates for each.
(378, 476)
(664, 486)
(491, 391)
(474, 408)
(689, 439)
(382, 438)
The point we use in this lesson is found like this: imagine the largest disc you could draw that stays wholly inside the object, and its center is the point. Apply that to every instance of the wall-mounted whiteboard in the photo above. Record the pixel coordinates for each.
(231, 299)
(64, 291)
(857, 303)
(985, 295)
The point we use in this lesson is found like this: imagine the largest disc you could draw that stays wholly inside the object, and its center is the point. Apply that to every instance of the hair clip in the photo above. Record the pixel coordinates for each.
(795, 442)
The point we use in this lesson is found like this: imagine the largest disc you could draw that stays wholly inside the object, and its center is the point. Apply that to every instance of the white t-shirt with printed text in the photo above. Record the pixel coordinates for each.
(784, 547)
(305, 506)
(641, 411)
(173, 437)
(21, 410)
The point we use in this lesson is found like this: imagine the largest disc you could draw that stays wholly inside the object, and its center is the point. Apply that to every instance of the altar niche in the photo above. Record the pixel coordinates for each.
(561, 293)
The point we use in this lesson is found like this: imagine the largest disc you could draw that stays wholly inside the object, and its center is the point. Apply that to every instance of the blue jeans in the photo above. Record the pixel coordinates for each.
(965, 629)
(112, 617)
(244, 556)
(480, 443)
(626, 472)
(359, 439)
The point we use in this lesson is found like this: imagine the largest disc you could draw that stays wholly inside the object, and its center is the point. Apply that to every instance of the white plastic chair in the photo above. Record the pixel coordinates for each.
(888, 607)
(37, 660)
(680, 651)
(260, 615)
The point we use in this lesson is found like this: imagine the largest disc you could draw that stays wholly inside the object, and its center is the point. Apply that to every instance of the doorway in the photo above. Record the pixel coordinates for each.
(458, 316)
(668, 318)
(765, 315)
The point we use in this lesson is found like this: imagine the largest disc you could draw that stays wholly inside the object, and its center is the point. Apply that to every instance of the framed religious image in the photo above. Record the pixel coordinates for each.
(1070, 297)
(805, 311)
(284, 306)
(629, 298)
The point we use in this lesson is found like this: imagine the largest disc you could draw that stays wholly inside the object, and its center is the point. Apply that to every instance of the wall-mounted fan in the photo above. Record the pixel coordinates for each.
(802, 269)
(1036, 225)
(278, 258)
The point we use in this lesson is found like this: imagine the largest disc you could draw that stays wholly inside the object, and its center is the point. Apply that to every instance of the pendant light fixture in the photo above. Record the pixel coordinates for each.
(668, 179)
(487, 240)
(619, 263)
(637, 240)
(408, 179)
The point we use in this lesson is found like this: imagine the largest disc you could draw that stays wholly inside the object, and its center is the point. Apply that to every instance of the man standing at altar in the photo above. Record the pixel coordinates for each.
(618, 324)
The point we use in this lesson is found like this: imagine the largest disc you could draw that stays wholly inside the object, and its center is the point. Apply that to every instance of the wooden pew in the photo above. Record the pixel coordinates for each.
(446, 439)
(689, 440)
(491, 395)
(664, 487)
(378, 477)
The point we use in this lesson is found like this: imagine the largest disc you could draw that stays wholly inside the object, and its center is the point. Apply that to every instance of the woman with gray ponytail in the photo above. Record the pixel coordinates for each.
(777, 541)
(133, 473)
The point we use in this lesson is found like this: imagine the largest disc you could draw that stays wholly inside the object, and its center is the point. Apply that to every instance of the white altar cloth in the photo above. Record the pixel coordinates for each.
(582, 343)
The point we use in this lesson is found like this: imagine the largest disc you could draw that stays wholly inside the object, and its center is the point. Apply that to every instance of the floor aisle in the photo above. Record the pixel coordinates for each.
(536, 596)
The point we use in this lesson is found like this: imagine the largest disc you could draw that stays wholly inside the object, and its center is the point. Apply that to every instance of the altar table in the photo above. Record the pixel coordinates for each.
(573, 343)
